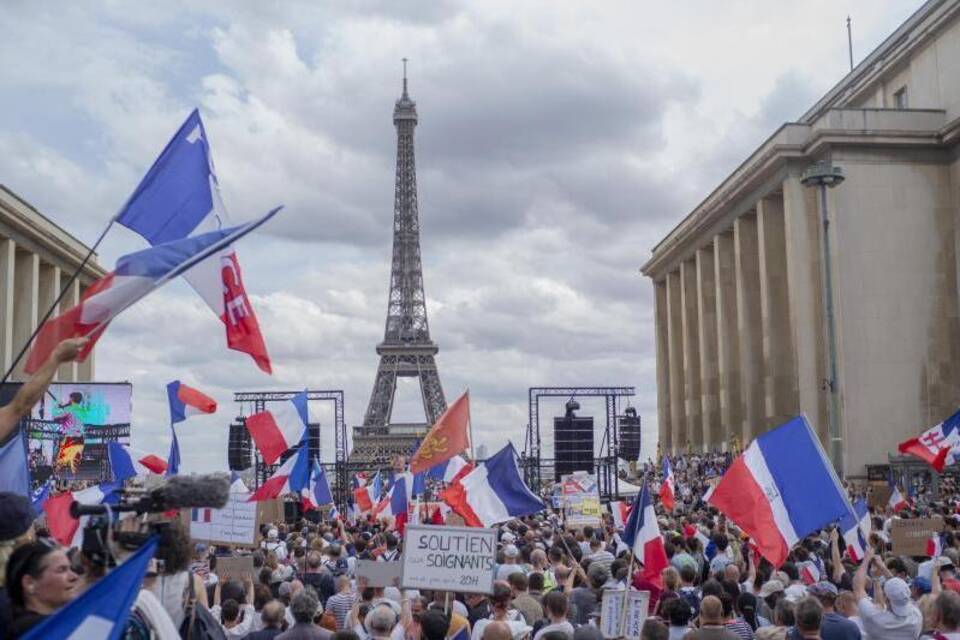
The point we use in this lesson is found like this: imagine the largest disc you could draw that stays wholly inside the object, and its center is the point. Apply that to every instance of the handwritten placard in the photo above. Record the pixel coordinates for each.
(909, 537)
(611, 613)
(638, 607)
(235, 524)
(449, 558)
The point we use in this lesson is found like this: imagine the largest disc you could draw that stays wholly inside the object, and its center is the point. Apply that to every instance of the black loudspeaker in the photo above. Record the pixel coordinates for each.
(572, 445)
(239, 446)
(630, 435)
(291, 512)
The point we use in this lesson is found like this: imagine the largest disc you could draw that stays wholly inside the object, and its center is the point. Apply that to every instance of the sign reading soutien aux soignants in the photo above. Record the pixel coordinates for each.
(449, 558)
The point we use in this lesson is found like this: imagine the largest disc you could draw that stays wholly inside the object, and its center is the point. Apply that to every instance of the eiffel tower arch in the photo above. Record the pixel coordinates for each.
(406, 350)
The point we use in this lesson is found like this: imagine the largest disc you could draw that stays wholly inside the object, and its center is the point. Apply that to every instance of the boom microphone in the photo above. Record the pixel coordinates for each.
(179, 492)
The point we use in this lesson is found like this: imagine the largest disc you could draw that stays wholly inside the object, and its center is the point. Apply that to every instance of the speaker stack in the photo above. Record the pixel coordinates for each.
(572, 445)
(629, 435)
(239, 447)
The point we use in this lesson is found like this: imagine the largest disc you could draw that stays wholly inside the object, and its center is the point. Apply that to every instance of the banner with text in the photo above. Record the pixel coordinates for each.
(449, 558)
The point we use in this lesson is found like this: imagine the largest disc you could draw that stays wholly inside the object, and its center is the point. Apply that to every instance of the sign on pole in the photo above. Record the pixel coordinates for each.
(449, 558)
(611, 613)
(638, 607)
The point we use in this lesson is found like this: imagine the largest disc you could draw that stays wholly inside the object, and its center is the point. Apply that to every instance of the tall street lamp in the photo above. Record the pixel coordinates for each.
(824, 175)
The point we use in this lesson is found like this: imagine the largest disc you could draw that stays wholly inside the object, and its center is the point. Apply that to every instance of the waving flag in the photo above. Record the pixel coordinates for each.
(896, 502)
(667, 488)
(63, 527)
(100, 612)
(123, 465)
(493, 492)
(620, 509)
(173, 456)
(186, 401)
(939, 446)
(367, 496)
(809, 573)
(291, 477)
(179, 198)
(935, 546)
(396, 503)
(40, 497)
(447, 470)
(317, 493)
(856, 530)
(447, 438)
(14, 471)
(781, 489)
(642, 535)
(135, 275)
(276, 430)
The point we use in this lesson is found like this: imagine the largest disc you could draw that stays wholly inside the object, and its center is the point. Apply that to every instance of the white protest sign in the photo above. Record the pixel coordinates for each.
(611, 613)
(449, 558)
(235, 524)
(638, 606)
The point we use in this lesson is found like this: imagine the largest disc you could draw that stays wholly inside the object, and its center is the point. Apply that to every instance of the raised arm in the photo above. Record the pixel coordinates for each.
(835, 556)
(33, 389)
(860, 577)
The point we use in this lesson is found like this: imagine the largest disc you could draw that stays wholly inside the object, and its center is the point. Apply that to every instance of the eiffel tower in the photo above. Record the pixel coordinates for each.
(406, 350)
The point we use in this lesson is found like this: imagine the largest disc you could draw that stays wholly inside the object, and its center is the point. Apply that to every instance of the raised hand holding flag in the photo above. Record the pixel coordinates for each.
(447, 438)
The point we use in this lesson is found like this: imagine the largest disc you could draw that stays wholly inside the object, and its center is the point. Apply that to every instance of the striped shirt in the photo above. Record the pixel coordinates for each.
(340, 604)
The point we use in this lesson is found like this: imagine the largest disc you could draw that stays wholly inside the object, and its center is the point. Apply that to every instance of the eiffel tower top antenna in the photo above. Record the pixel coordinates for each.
(405, 77)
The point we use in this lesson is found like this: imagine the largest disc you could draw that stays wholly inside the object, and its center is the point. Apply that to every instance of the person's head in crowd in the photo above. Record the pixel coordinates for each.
(16, 526)
(538, 558)
(174, 548)
(946, 609)
(392, 542)
(732, 573)
(510, 553)
(561, 573)
(793, 574)
(671, 579)
(784, 613)
(502, 595)
(40, 578)
(257, 559)
(261, 596)
(846, 605)
(286, 592)
(711, 588)
(555, 554)
(688, 575)
(677, 612)
(587, 632)
(497, 631)
(368, 594)
(303, 606)
(343, 583)
(314, 561)
(809, 616)
(826, 593)
(270, 561)
(265, 576)
(380, 622)
(598, 575)
(434, 624)
(898, 596)
(229, 613)
(518, 583)
(555, 606)
(711, 611)
(898, 568)
(654, 630)
(535, 582)
(746, 605)
(232, 590)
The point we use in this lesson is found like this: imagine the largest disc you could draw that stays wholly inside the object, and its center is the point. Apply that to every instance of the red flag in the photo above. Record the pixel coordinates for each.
(437, 517)
(447, 438)
(243, 330)
(63, 527)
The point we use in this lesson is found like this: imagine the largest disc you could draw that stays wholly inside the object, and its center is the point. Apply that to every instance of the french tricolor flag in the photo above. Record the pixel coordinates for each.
(897, 502)
(276, 430)
(809, 573)
(856, 529)
(620, 510)
(397, 502)
(186, 401)
(781, 489)
(317, 493)
(448, 470)
(123, 465)
(63, 527)
(667, 497)
(492, 492)
(935, 546)
(291, 477)
(135, 276)
(367, 496)
(201, 515)
(642, 535)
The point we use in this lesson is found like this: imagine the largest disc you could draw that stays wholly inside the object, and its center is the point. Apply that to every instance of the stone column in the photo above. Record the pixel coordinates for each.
(26, 291)
(663, 365)
(728, 338)
(709, 367)
(678, 416)
(691, 356)
(781, 396)
(49, 290)
(749, 324)
(802, 239)
(8, 251)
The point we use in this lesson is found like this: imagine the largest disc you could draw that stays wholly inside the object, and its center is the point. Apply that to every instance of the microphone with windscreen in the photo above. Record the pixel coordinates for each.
(179, 492)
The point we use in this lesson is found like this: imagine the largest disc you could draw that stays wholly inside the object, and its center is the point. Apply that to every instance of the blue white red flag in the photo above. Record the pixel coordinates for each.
(447, 470)
(896, 502)
(492, 492)
(642, 535)
(781, 489)
(186, 401)
(135, 276)
(397, 502)
(367, 496)
(14, 471)
(101, 612)
(939, 446)
(856, 530)
(317, 493)
(63, 527)
(277, 429)
(123, 465)
(291, 477)
(620, 510)
(667, 494)
(179, 198)
(935, 546)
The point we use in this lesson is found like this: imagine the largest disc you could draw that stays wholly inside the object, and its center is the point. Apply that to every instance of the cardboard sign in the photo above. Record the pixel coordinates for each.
(611, 612)
(581, 500)
(879, 495)
(237, 524)
(238, 568)
(449, 558)
(909, 537)
(638, 607)
(379, 574)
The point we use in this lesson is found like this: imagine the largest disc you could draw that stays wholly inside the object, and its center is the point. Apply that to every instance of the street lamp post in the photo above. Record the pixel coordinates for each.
(824, 175)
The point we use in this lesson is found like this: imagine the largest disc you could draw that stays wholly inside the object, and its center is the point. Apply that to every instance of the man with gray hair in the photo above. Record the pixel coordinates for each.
(272, 617)
(304, 608)
(380, 622)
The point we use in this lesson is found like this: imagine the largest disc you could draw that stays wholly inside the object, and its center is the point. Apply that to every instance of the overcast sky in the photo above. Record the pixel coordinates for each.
(558, 142)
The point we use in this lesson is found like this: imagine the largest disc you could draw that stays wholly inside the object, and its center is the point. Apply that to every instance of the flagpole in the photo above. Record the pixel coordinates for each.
(63, 293)
(470, 426)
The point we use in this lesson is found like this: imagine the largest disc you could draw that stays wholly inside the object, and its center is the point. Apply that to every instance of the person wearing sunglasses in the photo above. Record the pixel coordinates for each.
(39, 581)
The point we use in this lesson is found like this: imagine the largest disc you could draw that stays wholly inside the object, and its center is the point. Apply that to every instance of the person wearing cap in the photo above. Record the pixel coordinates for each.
(273, 543)
(510, 553)
(771, 592)
(16, 528)
(833, 626)
(901, 620)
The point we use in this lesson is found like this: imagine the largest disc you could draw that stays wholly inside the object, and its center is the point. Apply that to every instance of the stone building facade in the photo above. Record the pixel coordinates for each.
(37, 258)
(740, 330)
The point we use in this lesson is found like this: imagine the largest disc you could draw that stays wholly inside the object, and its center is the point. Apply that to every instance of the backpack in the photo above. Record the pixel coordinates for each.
(198, 623)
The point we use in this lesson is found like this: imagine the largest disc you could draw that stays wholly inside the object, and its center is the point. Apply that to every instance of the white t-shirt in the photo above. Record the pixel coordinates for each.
(882, 624)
